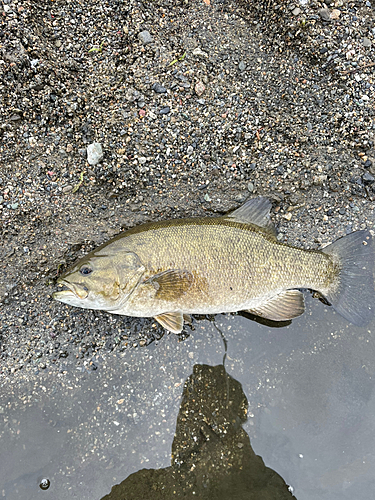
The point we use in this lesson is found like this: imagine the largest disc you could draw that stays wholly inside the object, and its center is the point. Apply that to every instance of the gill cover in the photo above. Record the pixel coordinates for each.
(101, 280)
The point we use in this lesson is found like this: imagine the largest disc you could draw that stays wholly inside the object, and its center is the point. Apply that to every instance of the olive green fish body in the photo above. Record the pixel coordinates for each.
(234, 266)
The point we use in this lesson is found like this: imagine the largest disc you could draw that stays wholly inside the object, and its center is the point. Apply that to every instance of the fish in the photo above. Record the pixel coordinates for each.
(174, 268)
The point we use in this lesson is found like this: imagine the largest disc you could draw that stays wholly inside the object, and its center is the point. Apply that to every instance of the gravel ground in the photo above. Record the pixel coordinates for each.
(196, 106)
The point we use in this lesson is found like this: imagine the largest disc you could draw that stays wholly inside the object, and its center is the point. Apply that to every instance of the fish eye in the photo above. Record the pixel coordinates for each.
(85, 270)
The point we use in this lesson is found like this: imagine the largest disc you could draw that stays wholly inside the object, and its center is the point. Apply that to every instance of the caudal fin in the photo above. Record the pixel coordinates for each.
(354, 297)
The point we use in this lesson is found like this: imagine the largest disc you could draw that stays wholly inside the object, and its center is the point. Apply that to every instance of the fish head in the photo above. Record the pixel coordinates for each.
(101, 281)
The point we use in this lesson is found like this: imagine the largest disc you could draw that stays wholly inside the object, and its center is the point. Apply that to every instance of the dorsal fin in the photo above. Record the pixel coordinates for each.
(255, 211)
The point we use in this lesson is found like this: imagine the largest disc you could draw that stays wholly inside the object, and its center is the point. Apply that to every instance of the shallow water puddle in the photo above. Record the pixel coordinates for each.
(301, 397)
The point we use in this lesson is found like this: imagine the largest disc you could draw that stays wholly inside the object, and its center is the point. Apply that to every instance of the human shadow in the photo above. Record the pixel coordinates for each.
(212, 458)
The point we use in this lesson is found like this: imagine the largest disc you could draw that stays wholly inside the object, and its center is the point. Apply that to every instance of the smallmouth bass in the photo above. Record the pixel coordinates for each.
(171, 269)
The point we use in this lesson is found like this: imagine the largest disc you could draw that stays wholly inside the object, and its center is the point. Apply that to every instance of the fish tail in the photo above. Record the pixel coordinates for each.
(352, 294)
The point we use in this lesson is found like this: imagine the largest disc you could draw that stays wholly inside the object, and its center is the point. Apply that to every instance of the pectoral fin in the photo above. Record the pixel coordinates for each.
(285, 306)
(172, 322)
(171, 284)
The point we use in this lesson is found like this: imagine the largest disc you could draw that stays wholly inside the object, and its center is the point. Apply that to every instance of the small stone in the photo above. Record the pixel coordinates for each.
(242, 66)
(350, 54)
(199, 52)
(165, 111)
(15, 117)
(368, 178)
(67, 189)
(335, 14)
(199, 88)
(58, 43)
(1, 199)
(94, 153)
(296, 12)
(32, 142)
(159, 89)
(207, 197)
(366, 42)
(368, 163)
(145, 37)
(142, 113)
(250, 187)
(69, 148)
(324, 14)
(14, 206)
(83, 152)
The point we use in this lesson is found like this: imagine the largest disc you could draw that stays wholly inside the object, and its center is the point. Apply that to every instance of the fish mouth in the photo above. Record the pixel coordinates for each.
(70, 290)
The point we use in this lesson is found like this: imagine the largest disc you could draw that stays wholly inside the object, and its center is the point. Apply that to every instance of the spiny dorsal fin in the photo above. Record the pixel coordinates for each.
(255, 211)
(171, 284)
(173, 322)
(286, 305)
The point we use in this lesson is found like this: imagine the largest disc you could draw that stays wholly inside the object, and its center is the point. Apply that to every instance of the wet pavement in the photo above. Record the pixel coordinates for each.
(294, 408)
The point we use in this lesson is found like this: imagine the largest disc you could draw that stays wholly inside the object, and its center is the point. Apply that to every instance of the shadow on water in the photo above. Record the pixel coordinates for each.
(212, 457)
(303, 395)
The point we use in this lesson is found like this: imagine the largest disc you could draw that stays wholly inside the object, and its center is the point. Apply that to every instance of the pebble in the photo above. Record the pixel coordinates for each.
(159, 89)
(335, 14)
(324, 14)
(199, 88)
(145, 37)
(67, 189)
(164, 111)
(250, 187)
(366, 42)
(368, 178)
(94, 153)
(242, 66)
(296, 12)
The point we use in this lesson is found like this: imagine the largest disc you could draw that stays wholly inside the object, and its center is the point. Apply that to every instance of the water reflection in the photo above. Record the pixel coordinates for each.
(211, 453)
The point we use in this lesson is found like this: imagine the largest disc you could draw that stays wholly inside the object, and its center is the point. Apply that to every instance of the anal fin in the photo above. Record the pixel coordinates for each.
(173, 322)
(284, 306)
